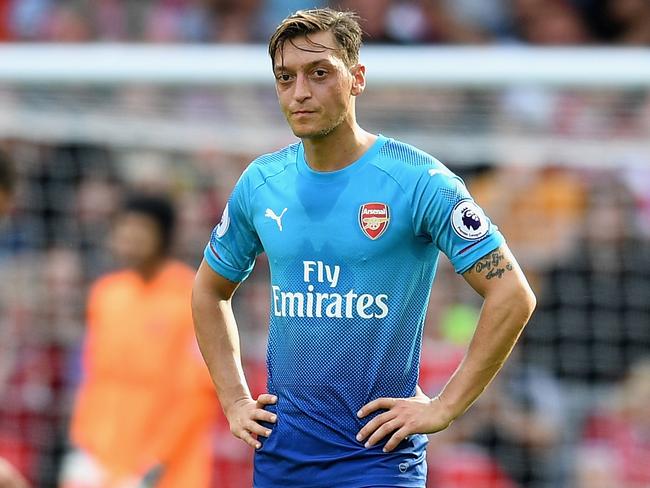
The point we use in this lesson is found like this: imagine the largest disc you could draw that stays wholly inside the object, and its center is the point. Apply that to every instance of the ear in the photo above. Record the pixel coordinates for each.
(358, 79)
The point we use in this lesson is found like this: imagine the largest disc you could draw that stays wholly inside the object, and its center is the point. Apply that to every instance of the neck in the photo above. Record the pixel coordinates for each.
(150, 269)
(338, 149)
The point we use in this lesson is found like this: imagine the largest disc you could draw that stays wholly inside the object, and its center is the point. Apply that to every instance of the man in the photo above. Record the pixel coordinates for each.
(352, 224)
(146, 408)
(9, 476)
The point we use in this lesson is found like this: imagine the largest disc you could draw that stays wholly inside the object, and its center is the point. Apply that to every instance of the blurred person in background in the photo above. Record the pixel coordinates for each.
(9, 476)
(515, 428)
(631, 21)
(145, 409)
(518, 422)
(615, 448)
(593, 315)
(536, 22)
(549, 22)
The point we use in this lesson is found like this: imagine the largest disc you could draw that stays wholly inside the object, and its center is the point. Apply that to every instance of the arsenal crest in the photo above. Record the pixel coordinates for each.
(374, 219)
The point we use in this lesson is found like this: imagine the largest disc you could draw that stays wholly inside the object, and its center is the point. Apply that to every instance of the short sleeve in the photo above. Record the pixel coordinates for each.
(234, 243)
(444, 211)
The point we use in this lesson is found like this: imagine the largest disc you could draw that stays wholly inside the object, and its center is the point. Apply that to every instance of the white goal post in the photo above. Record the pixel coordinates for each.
(387, 65)
(464, 104)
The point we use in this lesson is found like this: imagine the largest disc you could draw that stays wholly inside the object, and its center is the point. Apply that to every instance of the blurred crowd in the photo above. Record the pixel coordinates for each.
(570, 406)
(538, 22)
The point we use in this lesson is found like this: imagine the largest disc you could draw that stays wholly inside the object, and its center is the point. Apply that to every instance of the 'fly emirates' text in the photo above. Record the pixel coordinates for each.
(331, 305)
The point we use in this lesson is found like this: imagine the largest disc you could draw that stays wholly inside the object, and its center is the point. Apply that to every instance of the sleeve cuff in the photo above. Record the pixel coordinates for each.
(219, 266)
(473, 252)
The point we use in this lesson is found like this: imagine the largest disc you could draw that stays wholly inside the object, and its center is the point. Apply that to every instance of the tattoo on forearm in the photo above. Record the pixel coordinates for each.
(493, 265)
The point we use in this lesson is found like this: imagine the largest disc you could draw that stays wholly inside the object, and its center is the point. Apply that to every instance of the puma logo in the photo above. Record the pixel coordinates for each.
(278, 218)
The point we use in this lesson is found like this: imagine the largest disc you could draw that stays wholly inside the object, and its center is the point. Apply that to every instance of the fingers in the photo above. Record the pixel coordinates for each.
(379, 403)
(383, 431)
(266, 399)
(382, 426)
(246, 436)
(245, 425)
(264, 416)
(246, 432)
(254, 428)
(398, 421)
(374, 424)
(396, 438)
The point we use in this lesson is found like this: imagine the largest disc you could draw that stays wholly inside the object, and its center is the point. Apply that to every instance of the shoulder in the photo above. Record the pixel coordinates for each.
(178, 270)
(269, 165)
(115, 278)
(178, 274)
(406, 154)
(411, 167)
(112, 281)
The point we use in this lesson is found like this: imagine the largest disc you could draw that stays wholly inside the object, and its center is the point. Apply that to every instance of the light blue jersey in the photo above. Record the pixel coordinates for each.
(352, 255)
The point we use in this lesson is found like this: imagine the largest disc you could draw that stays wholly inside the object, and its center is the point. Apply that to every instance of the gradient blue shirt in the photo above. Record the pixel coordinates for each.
(352, 255)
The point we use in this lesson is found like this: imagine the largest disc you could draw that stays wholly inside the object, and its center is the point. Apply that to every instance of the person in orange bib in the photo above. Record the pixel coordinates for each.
(146, 409)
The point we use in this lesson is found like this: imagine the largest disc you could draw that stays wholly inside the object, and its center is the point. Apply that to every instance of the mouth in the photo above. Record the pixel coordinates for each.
(302, 112)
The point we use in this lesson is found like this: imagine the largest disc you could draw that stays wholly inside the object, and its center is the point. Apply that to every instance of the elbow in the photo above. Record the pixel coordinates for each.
(532, 300)
(520, 302)
(526, 301)
(529, 299)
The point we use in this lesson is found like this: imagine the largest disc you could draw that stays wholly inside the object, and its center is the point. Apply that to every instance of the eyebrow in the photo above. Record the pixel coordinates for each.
(279, 68)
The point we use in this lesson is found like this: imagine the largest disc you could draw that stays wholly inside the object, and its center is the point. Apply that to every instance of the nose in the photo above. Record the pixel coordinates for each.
(301, 88)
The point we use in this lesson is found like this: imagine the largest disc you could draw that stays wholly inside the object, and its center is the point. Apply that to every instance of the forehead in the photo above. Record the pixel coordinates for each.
(303, 50)
(130, 218)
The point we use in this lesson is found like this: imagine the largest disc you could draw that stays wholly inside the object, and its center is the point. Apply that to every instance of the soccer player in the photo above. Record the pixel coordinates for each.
(352, 224)
(146, 407)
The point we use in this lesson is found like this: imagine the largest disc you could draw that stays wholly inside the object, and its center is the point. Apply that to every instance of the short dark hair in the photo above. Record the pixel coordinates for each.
(7, 174)
(160, 209)
(343, 25)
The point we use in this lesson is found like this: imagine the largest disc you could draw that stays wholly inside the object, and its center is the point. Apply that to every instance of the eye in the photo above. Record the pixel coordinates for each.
(283, 77)
(320, 73)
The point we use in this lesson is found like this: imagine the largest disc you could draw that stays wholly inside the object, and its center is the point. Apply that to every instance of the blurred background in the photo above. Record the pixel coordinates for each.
(543, 107)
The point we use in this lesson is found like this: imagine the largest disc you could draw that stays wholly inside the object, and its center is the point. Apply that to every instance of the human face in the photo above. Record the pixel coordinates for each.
(315, 88)
(136, 241)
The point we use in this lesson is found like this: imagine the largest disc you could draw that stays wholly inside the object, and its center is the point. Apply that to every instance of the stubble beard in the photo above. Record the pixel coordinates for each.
(319, 134)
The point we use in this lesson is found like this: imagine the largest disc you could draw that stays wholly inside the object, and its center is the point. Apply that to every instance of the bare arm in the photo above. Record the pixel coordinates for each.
(508, 304)
(218, 338)
(217, 335)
